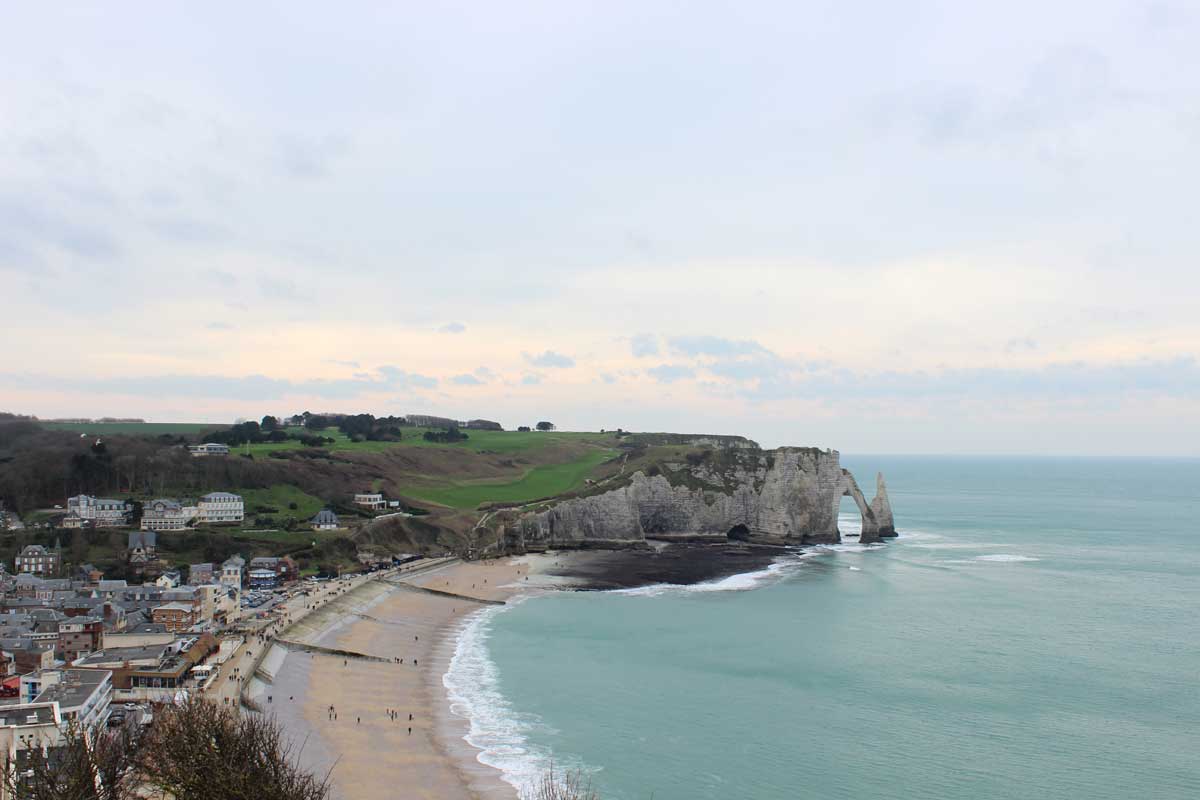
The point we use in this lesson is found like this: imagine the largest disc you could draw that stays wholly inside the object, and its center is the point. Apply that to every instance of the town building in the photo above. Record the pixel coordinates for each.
(284, 567)
(177, 616)
(231, 571)
(208, 449)
(82, 695)
(151, 672)
(169, 579)
(220, 508)
(165, 514)
(200, 573)
(35, 559)
(97, 512)
(325, 520)
(143, 547)
(375, 502)
(262, 578)
(79, 636)
(26, 728)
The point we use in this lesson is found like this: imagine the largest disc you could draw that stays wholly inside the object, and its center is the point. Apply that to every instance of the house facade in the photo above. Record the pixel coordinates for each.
(98, 512)
(208, 449)
(221, 508)
(325, 520)
(375, 502)
(35, 559)
(165, 514)
(143, 547)
(231, 572)
(176, 617)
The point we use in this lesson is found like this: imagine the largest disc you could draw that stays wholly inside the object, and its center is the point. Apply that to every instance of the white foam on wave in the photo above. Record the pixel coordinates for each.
(1006, 558)
(496, 729)
(741, 582)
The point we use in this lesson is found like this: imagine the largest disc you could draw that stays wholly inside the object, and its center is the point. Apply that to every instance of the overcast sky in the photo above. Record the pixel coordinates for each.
(881, 226)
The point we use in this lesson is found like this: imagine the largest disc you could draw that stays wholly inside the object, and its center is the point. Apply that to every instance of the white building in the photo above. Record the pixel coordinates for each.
(208, 449)
(231, 572)
(375, 502)
(221, 508)
(325, 520)
(165, 514)
(99, 512)
(83, 695)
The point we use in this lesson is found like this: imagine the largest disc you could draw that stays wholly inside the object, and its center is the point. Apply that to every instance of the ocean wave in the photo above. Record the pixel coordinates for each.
(495, 728)
(1006, 558)
(741, 582)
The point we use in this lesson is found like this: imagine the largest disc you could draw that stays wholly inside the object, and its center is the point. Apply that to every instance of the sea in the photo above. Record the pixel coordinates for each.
(1034, 632)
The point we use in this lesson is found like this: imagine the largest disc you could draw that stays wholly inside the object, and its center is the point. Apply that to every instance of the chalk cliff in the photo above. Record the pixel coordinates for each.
(785, 496)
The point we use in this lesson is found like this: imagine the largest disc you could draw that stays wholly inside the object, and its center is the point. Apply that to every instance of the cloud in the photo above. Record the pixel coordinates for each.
(715, 346)
(644, 344)
(550, 359)
(669, 373)
(485, 374)
(309, 157)
(1020, 345)
(531, 379)
(452, 327)
(1178, 377)
(466, 380)
(398, 378)
(340, 363)
(246, 387)
(218, 326)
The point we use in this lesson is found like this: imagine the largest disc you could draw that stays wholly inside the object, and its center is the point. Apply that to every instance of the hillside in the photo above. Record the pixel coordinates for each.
(446, 486)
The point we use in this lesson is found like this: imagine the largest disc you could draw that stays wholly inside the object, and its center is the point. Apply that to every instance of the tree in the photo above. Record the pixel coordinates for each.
(87, 765)
(202, 751)
(269, 423)
(545, 426)
(572, 785)
(523, 428)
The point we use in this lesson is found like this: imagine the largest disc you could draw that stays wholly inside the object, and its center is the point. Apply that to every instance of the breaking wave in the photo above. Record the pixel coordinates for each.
(741, 582)
(495, 728)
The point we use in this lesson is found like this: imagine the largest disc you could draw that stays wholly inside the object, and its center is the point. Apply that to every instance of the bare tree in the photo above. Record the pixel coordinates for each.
(85, 765)
(195, 751)
(570, 785)
(201, 751)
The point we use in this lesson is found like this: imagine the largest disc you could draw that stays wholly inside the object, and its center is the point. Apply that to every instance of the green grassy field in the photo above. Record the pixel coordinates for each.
(543, 481)
(279, 497)
(135, 428)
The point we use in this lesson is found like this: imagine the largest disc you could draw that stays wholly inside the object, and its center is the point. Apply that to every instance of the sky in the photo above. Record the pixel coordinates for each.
(882, 227)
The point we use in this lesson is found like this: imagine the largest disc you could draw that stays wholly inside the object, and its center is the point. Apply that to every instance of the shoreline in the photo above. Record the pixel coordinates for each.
(423, 617)
(365, 744)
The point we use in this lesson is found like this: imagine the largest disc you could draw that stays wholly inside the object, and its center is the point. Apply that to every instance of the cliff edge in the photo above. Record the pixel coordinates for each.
(787, 496)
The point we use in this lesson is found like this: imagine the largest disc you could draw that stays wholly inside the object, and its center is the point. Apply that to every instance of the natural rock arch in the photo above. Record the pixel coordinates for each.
(877, 522)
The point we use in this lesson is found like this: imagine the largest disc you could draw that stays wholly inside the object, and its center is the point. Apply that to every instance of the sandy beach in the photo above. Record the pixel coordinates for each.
(351, 715)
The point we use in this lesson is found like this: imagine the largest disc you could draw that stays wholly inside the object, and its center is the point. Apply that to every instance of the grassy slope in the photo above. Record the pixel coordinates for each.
(545, 463)
(541, 481)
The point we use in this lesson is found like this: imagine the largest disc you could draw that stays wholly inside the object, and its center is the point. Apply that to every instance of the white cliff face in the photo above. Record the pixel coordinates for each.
(784, 496)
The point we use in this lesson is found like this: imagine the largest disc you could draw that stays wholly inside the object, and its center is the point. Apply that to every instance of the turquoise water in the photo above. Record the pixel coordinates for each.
(1034, 635)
